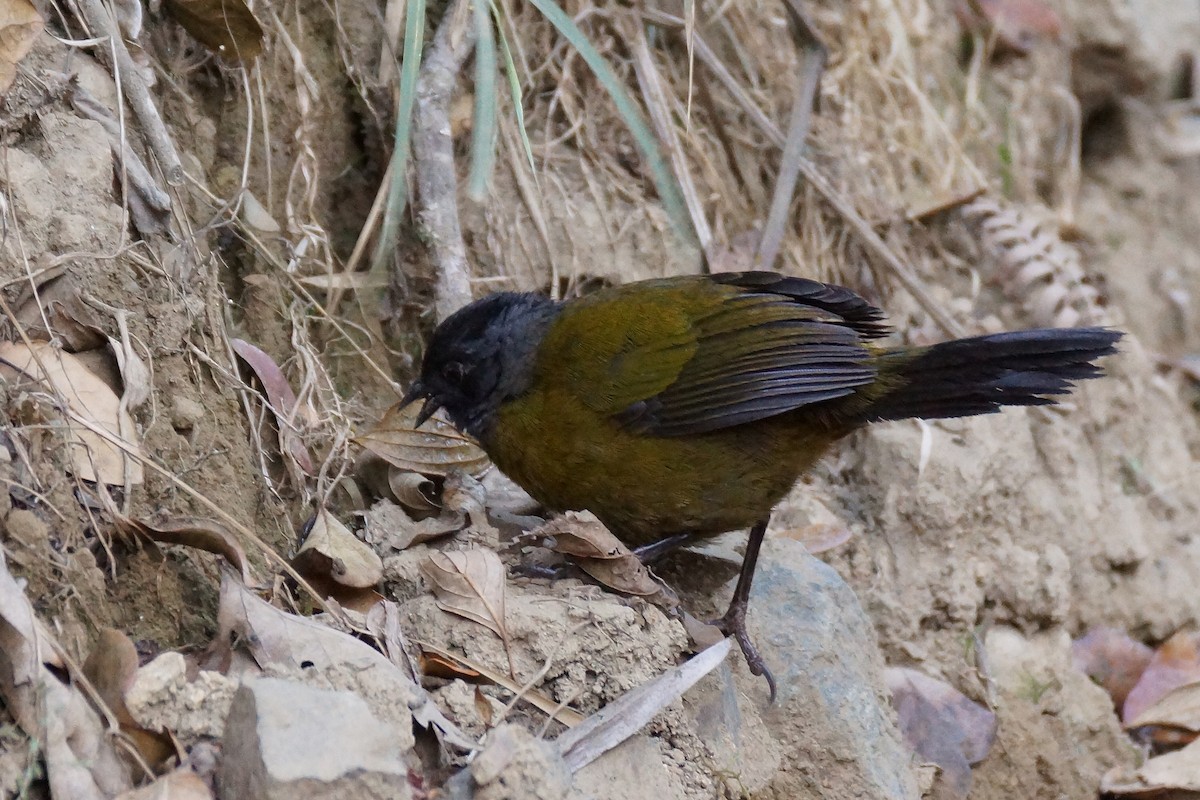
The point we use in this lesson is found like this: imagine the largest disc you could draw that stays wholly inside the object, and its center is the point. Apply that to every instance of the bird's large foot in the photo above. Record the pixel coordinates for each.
(734, 624)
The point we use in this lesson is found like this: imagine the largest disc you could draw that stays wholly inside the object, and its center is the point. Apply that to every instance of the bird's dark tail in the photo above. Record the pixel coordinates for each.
(982, 374)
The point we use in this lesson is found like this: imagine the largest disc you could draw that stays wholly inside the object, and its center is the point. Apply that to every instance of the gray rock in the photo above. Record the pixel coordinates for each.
(289, 741)
(831, 725)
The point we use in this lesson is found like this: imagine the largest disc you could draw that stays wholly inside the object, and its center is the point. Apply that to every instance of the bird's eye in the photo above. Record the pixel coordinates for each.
(454, 371)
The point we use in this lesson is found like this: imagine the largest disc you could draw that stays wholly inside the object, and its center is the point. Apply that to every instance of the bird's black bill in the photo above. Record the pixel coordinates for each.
(431, 406)
(416, 392)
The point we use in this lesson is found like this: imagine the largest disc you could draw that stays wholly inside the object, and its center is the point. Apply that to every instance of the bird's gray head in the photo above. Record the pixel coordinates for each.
(480, 357)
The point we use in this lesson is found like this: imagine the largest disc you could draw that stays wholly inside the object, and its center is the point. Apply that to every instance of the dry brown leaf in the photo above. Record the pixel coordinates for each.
(202, 534)
(93, 457)
(182, 784)
(20, 25)
(280, 397)
(413, 490)
(438, 666)
(1175, 663)
(604, 557)
(331, 549)
(469, 583)
(581, 535)
(1112, 659)
(339, 565)
(111, 667)
(941, 725)
(434, 449)
(285, 641)
(1158, 777)
(227, 27)
(81, 762)
(1178, 708)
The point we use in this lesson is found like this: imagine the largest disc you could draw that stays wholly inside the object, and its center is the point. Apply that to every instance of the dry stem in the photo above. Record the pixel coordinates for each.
(433, 157)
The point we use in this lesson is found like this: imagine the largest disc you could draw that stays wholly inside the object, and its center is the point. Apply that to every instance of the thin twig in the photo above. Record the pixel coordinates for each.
(814, 56)
(136, 91)
(433, 158)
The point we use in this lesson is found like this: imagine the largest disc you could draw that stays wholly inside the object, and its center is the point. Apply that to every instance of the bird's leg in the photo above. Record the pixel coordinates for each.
(648, 553)
(734, 622)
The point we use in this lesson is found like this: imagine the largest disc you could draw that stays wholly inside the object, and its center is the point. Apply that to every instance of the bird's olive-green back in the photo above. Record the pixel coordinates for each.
(688, 355)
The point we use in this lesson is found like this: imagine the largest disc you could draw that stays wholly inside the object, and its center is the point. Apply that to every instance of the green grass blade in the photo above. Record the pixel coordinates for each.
(514, 87)
(664, 180)
(410, 67)
(483, 133)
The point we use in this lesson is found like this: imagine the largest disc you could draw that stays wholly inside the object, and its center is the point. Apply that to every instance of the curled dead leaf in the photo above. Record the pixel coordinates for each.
(203, 534)
(227, 27)
(331, 548)
(1178, 708)
(93, 457)
(604, 557)
(339, 565)
(435, 448)
(1163, 776)
(20, 25)
(581, 535)
(111, 667)
(413, 490)
(471, 584)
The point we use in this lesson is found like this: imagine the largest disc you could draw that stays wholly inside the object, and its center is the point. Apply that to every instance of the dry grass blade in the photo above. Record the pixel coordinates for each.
(625, 716)
(464, 665)
(660, 116)
(435, 448)
(471, 584)
(669, 192)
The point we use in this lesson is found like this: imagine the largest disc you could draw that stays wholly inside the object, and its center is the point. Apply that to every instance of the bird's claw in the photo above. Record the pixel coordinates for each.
(733, 623)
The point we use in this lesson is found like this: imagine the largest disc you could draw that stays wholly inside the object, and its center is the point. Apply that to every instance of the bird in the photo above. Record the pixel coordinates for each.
(684, 407)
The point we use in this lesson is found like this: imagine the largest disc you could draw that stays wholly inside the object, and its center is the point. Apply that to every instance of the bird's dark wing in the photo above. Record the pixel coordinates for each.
(692, 355)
